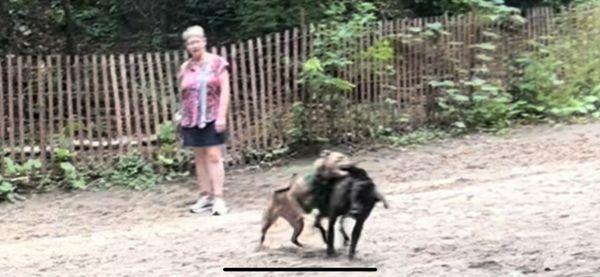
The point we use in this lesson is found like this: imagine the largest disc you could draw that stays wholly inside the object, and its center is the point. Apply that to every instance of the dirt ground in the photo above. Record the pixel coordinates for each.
(521, 204)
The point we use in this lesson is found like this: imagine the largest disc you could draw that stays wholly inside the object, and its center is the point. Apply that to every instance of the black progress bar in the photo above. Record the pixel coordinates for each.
(299, 269)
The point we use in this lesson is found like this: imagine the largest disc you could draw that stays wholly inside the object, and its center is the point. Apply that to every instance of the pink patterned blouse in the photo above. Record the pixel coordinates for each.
(201, 91)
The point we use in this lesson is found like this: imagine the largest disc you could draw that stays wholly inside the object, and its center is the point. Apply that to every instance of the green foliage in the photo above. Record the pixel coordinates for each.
(299, 130)
(7, 191)
(170, 159)
(476, 99)
(72, 177)
(133, 171)
(562, 77)
(324, 117)
(64, 173)
(18, 177)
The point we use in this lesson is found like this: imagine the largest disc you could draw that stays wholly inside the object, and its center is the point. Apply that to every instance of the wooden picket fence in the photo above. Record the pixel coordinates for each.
(102, 106)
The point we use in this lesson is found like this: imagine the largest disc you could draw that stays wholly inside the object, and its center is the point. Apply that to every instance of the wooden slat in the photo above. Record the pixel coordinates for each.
(254, 120)
(264, 119)
(280, 106)
(126, 103)
(87, 94)
(379, 76)
(117, 101)
(50, 109)
(235, 101)
(369, 67)
(247, 118)
(172, 93)
(418, 59)
(30, 108)
(396, 63)
(363, 67)
(97, 104)
(163, 92)
(286, 72)
(387, 78)
(375, 66)
(125, 90)
(153, 93)
(411, 69)
(136, 102)
(69, 92)
(296, 61)
(61, 94)
(21, 103)
(346, 74)
(421, 60)
(77, 91)
(11, 105)
(106, 89)
(144, 94)
(41, 108)
(2, 114)
(177, 67)
(303, 58)
(269, 85)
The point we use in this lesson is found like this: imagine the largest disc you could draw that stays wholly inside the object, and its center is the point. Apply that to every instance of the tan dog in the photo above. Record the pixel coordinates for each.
(298, 197)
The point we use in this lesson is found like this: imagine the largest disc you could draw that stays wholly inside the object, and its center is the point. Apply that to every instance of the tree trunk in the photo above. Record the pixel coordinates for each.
(70, 30)
(6, 28)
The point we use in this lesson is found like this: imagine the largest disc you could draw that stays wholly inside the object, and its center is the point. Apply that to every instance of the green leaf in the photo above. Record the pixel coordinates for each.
(10, 168)
(460, 125)
(460, 98)
(6, 187)
(485, 46)
(415, 29)
(313, 65)
(483, 57)
(67, 167)
(434, 26)
(446, 83)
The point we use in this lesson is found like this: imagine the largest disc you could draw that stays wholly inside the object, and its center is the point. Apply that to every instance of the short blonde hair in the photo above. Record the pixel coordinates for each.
(193, 31)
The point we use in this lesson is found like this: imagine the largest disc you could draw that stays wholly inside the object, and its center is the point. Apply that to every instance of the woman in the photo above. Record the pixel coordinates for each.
(204, 86)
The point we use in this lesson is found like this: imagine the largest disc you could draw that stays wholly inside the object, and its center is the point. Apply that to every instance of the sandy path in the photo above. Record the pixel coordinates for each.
(522, 204)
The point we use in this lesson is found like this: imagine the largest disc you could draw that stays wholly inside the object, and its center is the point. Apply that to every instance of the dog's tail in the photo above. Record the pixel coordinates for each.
(284, 189)
(381, 198)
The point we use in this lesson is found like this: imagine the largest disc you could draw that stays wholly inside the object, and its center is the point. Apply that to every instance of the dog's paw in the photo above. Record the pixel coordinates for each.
(297, 243)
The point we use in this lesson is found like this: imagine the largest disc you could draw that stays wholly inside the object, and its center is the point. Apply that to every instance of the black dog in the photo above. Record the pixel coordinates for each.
(352, 196)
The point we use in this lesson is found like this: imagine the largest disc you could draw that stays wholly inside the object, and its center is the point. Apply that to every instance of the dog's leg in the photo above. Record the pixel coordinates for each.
(297, 221)
(344, 235)
(269, 218)
(381, 198)
(331, 236)
(320, 227)
(358, 226)
(298, 226)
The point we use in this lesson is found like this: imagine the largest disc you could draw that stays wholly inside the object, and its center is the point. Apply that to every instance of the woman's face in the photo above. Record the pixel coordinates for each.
(195, 46)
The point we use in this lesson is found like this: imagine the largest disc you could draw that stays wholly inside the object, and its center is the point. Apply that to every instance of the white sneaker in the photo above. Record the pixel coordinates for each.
(203, 204)
(219, 207)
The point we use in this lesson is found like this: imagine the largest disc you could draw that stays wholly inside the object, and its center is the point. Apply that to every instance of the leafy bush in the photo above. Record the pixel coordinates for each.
(562, 77)
(18, 178)
(170, 159)
(134, 172)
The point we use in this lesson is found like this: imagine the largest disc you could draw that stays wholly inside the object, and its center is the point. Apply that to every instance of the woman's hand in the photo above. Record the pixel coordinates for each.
(220, 124)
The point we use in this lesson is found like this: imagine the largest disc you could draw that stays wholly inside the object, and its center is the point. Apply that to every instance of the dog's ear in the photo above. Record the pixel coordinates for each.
(325, 153)
(319, 162)
(339, 173)
(333, 173)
